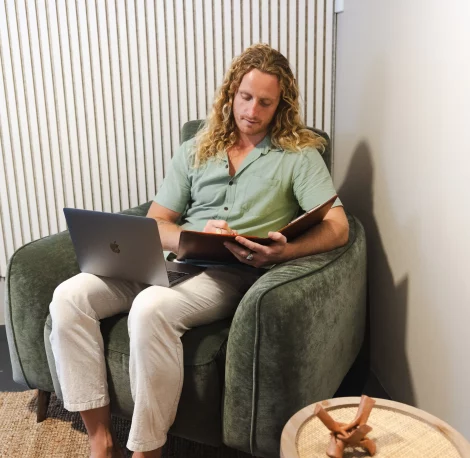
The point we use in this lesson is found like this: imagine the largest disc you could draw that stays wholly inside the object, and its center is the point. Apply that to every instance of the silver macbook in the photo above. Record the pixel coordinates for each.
(123, 246)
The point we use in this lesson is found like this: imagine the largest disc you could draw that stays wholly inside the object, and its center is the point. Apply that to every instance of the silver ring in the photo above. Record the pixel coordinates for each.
(249, 257)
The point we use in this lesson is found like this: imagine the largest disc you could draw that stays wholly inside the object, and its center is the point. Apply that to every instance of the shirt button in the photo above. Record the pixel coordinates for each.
(225, 208)
(230, 183)
(226, 166)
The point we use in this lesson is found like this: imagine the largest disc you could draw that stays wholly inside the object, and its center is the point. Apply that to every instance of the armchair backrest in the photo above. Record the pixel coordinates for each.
(190, 128)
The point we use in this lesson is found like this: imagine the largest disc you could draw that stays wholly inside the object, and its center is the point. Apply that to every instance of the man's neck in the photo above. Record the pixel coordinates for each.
(249, 141)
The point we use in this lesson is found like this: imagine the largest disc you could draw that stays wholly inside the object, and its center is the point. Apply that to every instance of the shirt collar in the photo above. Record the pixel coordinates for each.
(266, 145)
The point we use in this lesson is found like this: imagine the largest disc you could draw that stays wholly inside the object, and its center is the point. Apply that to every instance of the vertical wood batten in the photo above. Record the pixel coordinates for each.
(83, 99)
(19, 128)
(180, 40)
(78, 103)
(313, 62)
(94, 41)
(328, 66)
(301, 39)
(265, 19)
(237, 27)
(135, 131)
(218, 43)
(126, 94)
(292, 36)
(60, 108)
(9, 61)
(274, 26)
(200, 57)
(246, 24)
(25, 157)
(68, 82)
(306, 61)
(144, 157)
(319, 64)
(164, 96)
(39, 202)
(145, 101)
(172, 76)
(255, 21)
(108, 110)
(52, 152)
(118, 102)
(210, 54)
(154, 89)
(228, 33)
(190, 41)
(6, 219)
(283, 26)
(59, 173)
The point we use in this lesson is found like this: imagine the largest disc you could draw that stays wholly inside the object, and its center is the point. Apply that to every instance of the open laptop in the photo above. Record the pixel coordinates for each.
(123, 246)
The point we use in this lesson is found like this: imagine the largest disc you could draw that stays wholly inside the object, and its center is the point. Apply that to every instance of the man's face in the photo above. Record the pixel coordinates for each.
(255, 102)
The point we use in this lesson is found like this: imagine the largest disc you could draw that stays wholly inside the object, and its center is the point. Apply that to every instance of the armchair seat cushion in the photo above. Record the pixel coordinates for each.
(199, 414)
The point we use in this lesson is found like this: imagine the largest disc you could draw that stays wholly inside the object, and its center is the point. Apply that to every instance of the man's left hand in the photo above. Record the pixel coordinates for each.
(257, 255)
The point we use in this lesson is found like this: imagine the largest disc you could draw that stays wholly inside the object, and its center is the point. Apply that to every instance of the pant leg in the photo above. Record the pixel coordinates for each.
(157, 320)
(77, 306)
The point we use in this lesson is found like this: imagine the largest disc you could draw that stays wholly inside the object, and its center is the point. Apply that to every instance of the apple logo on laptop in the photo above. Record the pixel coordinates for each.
(114, 247)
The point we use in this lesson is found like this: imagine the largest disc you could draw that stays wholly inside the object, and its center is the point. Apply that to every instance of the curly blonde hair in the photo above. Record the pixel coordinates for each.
(286, 129)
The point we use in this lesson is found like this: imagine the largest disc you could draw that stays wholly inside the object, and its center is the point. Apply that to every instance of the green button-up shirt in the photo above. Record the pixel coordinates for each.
(264, 194)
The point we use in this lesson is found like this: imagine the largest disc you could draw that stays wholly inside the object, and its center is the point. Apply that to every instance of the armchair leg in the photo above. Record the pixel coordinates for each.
(43, 403)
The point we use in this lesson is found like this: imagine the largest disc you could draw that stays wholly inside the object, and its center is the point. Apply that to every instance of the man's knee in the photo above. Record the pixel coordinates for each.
(148, 315)
(69, 301)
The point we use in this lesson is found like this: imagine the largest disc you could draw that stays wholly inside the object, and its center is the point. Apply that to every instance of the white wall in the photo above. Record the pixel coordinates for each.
(402, 163)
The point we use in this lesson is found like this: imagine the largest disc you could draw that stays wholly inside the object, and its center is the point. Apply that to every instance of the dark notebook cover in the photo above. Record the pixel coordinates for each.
(205, 246)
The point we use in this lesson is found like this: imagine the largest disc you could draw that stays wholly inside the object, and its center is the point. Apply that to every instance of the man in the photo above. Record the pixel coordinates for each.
(246, 172)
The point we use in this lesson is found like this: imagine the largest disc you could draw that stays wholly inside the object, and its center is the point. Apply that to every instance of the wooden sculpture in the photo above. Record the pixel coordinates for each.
(352, 434)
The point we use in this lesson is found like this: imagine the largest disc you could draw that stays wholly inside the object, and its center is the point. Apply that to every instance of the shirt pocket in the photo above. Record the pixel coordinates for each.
(261, 195)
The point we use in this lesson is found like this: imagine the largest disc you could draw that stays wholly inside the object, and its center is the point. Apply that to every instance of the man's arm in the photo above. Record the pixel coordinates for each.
(331, 233)
(167, 227)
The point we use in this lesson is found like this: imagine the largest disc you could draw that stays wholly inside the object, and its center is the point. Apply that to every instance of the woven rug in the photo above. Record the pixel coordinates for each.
(63, 435)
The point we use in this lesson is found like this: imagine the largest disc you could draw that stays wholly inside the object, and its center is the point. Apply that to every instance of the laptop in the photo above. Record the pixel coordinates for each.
(123, 246)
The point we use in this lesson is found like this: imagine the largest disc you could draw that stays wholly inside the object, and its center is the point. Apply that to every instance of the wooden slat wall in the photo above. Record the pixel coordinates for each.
(93, 94)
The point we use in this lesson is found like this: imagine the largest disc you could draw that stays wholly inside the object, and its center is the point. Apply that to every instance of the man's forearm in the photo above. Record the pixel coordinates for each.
(169, 234)
(326, 236)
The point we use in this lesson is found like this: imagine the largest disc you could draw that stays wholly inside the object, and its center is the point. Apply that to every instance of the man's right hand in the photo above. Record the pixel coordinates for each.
(218, 226)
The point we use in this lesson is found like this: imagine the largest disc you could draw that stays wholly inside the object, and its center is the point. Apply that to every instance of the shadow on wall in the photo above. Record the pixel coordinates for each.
(387, 301)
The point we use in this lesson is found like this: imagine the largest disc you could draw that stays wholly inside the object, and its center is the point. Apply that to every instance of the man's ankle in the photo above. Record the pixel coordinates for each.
(101, 444)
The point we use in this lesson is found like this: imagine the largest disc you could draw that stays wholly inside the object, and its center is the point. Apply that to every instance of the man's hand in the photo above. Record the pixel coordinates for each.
(257, 255)
(218, 226)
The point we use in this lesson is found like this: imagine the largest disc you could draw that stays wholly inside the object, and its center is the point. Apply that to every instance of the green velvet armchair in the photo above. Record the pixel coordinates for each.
(293, 338)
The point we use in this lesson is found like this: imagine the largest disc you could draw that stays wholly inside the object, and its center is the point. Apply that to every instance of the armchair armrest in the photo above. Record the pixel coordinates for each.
(294, 336)
(34, 271)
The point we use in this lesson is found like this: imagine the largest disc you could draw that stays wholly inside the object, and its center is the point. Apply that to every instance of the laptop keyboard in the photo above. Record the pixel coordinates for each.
(173, 276)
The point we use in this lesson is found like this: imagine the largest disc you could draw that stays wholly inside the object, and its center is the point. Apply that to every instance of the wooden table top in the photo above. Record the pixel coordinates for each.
(399, 430)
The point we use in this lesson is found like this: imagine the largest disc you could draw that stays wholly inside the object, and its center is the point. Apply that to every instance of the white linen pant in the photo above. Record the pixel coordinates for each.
(158, 318)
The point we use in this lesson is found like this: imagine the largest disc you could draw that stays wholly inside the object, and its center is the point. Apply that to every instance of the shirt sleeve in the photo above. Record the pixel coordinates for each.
(312, 181)
(175, 192)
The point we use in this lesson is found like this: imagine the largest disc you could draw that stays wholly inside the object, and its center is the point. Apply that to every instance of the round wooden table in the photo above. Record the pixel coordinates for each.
(398, 430)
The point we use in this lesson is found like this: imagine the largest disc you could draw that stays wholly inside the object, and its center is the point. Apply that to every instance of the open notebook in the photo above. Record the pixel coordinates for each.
(203, 246)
